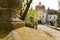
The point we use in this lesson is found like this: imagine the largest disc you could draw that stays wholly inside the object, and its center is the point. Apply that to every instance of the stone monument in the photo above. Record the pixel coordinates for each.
(9, 14)
(9, 19)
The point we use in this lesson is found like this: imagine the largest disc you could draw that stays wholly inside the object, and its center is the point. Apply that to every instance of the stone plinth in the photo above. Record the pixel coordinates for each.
(9, 19)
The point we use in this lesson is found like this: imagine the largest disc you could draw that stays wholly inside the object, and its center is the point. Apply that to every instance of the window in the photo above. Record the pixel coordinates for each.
(50, 17)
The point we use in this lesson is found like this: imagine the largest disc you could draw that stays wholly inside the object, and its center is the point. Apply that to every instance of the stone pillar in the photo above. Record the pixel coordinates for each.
(8, 14)
(9, 19)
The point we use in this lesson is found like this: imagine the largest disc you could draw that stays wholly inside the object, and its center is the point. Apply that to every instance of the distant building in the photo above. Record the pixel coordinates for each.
(47, 15)
(52, 15)
(41, 10)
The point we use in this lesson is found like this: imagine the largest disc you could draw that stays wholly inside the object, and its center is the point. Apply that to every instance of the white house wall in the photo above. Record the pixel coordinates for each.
(52, 17)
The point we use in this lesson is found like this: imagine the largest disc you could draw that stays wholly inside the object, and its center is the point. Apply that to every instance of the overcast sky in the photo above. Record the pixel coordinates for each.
(52, 4)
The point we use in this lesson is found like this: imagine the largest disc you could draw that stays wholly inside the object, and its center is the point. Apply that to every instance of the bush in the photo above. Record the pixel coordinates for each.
(31, 18)
(58, 20)
(29, 24)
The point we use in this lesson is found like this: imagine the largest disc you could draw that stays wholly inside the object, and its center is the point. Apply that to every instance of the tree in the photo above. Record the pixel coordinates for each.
(26, 10)
(58, 20)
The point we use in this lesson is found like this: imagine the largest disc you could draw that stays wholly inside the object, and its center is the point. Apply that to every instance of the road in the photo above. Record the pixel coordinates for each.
(53, 32)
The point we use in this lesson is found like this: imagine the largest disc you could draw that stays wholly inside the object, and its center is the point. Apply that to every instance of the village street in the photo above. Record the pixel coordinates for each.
(53, 32)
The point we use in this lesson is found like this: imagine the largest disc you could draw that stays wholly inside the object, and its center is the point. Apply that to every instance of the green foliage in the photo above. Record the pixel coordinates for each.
(32, 17)
(34, 14)
(58, 20)
(29, 24)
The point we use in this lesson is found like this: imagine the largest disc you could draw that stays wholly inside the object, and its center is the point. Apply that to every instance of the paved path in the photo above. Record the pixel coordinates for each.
(53, 32)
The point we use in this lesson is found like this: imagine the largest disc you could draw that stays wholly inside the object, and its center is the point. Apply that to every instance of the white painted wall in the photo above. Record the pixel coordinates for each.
(43, 16)
(52, 17)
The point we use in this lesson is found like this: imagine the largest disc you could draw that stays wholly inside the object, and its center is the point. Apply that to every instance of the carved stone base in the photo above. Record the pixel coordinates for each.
(9, 19)
(11, 24)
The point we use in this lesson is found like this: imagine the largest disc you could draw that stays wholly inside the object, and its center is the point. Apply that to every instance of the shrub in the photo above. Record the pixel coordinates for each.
(31, 18)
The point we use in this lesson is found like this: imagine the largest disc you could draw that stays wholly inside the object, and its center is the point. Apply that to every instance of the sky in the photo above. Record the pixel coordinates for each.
(52, 4)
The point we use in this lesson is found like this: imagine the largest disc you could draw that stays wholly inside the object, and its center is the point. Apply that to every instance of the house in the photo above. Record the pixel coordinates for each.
(52, 16)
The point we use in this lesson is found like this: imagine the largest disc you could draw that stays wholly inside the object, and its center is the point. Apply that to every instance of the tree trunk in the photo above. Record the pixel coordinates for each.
(26, 10)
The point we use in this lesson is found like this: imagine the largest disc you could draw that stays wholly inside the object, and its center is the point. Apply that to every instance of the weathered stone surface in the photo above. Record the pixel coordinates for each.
(7, 24)
(16, 4)
(9, 19)
(26, 33)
